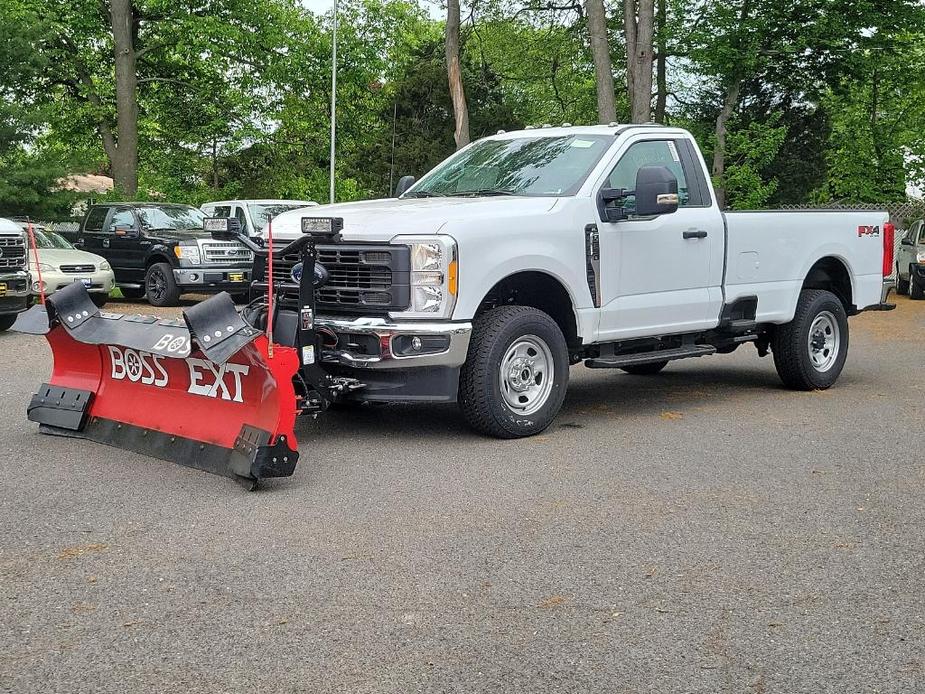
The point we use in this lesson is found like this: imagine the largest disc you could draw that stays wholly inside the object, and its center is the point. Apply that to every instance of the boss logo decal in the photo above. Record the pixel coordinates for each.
(206, 378)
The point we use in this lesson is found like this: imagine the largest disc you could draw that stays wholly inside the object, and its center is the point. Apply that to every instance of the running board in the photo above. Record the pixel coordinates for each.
(618, 361)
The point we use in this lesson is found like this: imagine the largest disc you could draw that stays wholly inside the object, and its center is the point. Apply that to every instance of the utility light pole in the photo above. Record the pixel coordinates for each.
(333, 98)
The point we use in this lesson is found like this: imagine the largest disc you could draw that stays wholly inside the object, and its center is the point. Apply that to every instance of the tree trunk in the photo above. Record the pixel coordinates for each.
(639, 27)
(719, 151)
(454, 72)
(661, 79)
(603, 68)
(124, 157)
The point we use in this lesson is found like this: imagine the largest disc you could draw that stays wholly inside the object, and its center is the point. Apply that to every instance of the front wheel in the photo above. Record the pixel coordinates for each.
(99, 299)
(810, 350)
(516, 373)
(160, 286)
(916, 291)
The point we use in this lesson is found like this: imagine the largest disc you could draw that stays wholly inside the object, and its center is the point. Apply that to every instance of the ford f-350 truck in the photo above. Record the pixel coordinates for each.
(528, 252)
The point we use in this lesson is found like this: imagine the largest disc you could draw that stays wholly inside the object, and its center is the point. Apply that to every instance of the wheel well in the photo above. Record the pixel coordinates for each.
(541, 291)
(832, 275)
(154, 259)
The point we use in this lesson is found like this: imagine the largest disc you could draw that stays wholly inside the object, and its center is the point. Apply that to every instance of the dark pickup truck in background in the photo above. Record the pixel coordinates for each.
(160, 251)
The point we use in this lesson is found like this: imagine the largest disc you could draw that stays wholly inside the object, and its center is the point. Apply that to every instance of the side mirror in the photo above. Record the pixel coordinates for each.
(404, 183)
(656, 191)
(223, 228)
(907, 241)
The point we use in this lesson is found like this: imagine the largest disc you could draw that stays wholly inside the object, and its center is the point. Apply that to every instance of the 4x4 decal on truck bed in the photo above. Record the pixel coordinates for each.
(868, 230)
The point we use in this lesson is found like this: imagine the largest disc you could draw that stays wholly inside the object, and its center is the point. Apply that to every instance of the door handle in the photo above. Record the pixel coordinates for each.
(695, 234)
(105, 243)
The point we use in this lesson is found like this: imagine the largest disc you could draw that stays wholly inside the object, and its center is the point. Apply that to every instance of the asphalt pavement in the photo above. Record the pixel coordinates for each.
(702, 530)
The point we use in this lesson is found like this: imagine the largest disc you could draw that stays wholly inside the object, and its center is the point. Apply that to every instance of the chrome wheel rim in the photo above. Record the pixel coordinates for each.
(527, 375)
(824, 341)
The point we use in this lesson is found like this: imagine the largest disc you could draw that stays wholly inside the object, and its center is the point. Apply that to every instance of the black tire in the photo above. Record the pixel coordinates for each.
(133, 292)
(160, 286)
(916, 290)
(902, 286)
(480, 384)
(6, 321)
(99, 299)
(793, 352)
(241, 297)
(645, 369)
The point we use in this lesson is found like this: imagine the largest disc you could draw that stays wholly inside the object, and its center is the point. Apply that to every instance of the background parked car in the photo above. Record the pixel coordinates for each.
(61, 265)
(159, 251)
(253, 213)
(910, 262)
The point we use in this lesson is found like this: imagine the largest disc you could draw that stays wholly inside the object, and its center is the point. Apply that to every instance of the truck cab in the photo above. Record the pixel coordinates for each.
(527, 252)
(159, 251)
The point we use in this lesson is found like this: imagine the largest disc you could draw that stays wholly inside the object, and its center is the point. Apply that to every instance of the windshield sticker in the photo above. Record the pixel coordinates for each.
(582, 144)
(674, 151)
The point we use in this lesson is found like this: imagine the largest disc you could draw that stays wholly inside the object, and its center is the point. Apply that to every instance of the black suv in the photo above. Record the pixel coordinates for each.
(160, 251)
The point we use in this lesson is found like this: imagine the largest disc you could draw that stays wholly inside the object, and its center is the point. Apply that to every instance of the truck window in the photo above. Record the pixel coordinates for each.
(223, 211)
(95, 219)
(242, 216)
(122, 218)
(649, 153)
(921, 233)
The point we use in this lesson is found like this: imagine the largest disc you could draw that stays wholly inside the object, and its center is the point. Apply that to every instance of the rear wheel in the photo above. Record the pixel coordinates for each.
(160, 286)
(916, 290)
(6, 321)
(902, 286)
(132, 292)
(516, 373)
(810, 350)
(645, 369)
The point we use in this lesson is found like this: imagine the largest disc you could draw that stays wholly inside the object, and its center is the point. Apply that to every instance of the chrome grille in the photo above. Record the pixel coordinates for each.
(78, 268)
(226, 252)
(12, 252)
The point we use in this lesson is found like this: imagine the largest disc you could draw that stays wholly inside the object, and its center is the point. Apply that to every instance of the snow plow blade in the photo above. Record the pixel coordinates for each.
(202, 391)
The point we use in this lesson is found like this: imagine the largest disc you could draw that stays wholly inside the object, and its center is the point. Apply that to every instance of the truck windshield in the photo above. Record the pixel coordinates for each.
(528, 166)
(174, 217)
(261, 213)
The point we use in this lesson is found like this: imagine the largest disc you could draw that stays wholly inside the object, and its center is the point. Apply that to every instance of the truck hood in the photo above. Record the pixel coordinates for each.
(381, 220)
(62, 256)
(177, 234)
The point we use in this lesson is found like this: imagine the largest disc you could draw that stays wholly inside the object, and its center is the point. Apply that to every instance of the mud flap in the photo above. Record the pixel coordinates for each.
(202, 392)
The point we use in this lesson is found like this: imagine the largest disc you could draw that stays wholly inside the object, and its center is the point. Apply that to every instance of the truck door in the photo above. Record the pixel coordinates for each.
(661, 275)
(127, 249)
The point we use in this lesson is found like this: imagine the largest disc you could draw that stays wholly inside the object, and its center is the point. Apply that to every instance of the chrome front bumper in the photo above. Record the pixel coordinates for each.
(453, 354)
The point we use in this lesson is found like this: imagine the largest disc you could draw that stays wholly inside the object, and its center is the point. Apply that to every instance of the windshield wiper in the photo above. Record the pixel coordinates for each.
(484, 192)
(421, 194)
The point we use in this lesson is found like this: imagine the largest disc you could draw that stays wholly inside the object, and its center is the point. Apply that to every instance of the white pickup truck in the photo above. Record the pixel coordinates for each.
(528, 252)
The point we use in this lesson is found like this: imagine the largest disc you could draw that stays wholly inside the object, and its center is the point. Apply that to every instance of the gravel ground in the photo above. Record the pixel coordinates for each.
(702, 530)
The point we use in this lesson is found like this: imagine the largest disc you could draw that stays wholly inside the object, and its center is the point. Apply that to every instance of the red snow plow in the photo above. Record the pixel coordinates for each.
(210, 391)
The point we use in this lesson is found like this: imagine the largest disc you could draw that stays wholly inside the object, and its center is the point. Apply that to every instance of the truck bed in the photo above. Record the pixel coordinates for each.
(769, 253)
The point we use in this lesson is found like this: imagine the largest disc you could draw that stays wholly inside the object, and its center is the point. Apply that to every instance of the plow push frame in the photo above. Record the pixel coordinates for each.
(210, 391)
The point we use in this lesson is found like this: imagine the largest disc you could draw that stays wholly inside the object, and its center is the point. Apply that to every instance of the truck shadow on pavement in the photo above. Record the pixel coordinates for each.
(609, 397)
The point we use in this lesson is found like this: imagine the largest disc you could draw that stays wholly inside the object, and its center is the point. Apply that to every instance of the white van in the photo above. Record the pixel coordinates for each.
(253, 213)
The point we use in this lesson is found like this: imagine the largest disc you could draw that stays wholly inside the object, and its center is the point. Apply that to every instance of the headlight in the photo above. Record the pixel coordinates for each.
(105, 265)
(920, 258)
(434, 272)
(188, 253)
